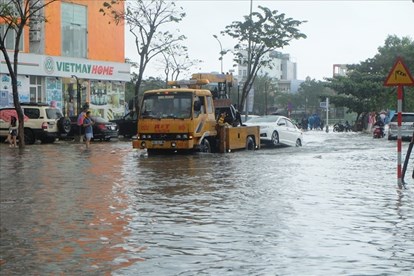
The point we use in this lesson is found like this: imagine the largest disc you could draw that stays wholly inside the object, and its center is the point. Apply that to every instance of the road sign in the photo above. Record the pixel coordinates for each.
(399, 75)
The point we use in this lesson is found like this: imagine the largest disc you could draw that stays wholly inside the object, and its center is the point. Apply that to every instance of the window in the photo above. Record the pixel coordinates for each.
(11, 38)
(53, 113)
(35, 89)
(32, 113)
(74, 30)
(209, 105)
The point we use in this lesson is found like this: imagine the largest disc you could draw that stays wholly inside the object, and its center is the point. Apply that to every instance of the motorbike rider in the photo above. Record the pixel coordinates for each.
(380, 124)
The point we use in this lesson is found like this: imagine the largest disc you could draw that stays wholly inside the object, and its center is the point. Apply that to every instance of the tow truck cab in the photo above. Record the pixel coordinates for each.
(176, 119)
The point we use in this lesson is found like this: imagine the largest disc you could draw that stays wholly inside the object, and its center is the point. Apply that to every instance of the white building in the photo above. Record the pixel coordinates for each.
(282, 69)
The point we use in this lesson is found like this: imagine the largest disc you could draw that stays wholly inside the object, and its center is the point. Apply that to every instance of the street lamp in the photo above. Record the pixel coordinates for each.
(221, 52)
(78, 94)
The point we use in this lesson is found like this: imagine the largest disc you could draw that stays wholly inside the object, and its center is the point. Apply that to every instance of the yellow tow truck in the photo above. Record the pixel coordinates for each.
(186, 117)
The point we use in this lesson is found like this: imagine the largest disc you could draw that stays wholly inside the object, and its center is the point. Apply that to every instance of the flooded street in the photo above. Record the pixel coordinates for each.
(331, 207)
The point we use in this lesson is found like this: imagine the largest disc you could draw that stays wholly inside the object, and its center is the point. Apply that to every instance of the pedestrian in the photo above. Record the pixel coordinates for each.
(12, 137)
(82, 115)
(371, 121)
(80, 119)
(87, 124)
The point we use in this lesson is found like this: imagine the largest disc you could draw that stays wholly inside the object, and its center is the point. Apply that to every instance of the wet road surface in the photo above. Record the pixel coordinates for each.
(331, 207)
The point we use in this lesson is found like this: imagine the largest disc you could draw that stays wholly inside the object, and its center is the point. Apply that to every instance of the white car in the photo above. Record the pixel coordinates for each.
(277, 130)
(407, 126)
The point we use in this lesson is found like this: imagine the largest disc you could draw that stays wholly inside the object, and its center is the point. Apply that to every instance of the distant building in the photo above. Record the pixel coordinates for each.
(283, 70)
(339, 70)
(74, 57)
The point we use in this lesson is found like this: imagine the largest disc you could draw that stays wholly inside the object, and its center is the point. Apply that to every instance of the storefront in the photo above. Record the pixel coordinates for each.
(70, 82)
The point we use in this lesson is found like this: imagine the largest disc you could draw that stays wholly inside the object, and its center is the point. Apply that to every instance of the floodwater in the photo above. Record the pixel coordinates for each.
(331, 207)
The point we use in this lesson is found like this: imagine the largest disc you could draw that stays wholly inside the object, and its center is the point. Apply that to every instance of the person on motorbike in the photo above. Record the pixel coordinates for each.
(379, 123)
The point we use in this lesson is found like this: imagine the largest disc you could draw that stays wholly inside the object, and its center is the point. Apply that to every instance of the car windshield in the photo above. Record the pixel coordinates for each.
(53, 113)
(167, 105)
(264, 119)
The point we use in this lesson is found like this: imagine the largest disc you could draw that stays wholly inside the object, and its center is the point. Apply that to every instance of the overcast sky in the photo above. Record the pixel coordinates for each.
(339, 32)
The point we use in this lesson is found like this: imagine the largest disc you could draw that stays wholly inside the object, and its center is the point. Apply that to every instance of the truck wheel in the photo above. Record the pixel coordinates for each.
(205, 146)
(29, 138)
(250, 145)
(275, 138)
(298, 143)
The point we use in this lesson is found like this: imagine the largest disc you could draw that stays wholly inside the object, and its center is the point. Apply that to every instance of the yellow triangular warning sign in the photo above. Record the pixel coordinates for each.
(399, 75)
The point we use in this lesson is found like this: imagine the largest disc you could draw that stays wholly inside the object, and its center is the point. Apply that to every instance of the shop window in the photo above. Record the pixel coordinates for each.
(36, 89)
(74, 30)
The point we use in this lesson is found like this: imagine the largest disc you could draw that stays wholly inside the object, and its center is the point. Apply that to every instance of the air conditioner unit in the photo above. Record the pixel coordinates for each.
(34, 36)
(35, 26)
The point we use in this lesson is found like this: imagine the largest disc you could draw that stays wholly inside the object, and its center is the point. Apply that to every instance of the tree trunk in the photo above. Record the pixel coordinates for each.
(20, 116)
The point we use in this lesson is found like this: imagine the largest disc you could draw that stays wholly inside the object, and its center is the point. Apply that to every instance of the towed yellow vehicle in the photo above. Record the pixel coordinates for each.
(184, 119)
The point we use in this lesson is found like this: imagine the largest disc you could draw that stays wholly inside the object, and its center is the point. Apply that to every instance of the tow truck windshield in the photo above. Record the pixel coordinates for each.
(172, 105)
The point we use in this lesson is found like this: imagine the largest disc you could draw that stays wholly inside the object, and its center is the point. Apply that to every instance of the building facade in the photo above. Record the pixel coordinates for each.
(72, 58)
(283, 70)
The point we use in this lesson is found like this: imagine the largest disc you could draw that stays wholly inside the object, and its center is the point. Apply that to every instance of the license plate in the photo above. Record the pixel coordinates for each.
(157, 142)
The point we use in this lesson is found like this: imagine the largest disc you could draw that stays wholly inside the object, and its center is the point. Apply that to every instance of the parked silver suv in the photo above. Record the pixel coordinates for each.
(43, 122)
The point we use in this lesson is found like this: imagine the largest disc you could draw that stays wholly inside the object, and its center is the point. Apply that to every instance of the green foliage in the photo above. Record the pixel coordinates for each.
(363, 90)
(146, 84)
(260, 33)
(311, 93)
(265, 89)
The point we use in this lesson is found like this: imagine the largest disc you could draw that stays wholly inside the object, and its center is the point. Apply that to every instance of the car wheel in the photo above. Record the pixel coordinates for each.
(275, 138)
(205, 146)
(29, 138)
(250, 145)
(298, 143)
(64, 125)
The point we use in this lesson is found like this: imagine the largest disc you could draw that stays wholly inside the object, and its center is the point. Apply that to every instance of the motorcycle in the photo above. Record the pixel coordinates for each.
(340, 127)
(378, 132)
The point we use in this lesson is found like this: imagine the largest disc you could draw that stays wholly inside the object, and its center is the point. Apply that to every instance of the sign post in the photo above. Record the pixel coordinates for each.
(399, 76)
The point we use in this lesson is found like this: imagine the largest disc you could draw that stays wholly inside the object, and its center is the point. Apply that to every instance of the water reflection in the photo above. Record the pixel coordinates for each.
(62, 210)
(328, 208)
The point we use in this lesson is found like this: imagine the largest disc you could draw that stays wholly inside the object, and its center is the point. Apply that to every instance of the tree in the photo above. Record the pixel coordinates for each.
(259, 34)
(145, 20)
(311, 93)
(146, 84)
(264, 91)
(177, 61)
(362, 89)
(16, 15)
